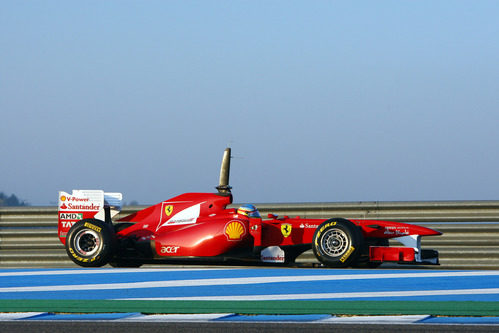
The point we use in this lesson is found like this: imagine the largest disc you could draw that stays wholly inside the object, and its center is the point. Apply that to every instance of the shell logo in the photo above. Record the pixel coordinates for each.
(63, 198)
(234, 230)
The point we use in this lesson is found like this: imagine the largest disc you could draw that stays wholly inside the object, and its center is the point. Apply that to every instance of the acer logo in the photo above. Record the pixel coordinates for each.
(169, 249)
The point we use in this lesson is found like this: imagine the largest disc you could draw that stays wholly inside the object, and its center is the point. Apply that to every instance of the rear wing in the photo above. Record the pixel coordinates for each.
(85, 204)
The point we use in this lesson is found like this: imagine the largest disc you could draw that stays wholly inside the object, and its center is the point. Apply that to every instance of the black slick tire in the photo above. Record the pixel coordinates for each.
(337, 243)
(90, 243)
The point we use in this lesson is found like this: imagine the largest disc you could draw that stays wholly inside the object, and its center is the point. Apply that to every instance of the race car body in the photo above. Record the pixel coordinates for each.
(200, 227)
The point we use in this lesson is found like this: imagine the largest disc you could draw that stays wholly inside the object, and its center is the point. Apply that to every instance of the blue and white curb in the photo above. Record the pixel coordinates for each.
(221, 317)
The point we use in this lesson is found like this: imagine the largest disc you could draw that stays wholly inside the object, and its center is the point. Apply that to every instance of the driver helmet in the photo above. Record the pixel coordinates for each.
(248, 210)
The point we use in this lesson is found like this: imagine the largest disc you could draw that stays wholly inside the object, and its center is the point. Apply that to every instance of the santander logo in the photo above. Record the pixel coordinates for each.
(90, 206)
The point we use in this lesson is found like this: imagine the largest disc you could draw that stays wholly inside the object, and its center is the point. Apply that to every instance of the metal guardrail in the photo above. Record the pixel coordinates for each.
(424, 211)
(28, 235)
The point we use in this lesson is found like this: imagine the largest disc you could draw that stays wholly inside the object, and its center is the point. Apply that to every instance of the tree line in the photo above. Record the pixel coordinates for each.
(11, 200)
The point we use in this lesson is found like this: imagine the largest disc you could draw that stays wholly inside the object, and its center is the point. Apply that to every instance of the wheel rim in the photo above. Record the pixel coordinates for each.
(87, 242)
(335, 242)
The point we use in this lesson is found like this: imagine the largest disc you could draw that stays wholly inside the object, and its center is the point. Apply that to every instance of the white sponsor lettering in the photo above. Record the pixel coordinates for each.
(169, 249)
(308, 226)
(67, 224)
(401, 231)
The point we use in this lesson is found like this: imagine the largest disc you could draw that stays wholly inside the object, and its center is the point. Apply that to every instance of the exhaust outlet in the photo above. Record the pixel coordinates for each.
(223, 184)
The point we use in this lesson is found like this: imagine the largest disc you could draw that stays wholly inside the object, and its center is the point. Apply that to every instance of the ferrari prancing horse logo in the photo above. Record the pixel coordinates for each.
(168, 210)
(286, 229)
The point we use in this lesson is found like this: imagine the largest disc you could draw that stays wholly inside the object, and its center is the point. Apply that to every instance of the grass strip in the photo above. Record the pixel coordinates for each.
(437, 308)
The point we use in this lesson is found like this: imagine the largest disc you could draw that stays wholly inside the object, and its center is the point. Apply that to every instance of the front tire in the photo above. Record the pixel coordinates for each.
(337, 243)
(90, 243)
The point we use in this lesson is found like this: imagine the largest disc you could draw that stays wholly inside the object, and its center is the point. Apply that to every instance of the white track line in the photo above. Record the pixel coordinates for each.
(107, 271)
(241, 281)
(285, 297)
(203, 317)
(375, 319)
(18, 315)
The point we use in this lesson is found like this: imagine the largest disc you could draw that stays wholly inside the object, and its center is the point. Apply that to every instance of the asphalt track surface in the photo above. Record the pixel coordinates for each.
(470, 299)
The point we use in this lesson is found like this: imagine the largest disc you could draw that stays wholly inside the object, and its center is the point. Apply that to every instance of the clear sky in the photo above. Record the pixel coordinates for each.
(320, 100)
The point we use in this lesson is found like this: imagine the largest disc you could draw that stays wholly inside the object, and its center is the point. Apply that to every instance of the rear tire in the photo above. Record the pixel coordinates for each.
(337, 243)
(90, 243)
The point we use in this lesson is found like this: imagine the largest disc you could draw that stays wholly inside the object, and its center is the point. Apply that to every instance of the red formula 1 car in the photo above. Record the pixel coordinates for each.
(200, 227)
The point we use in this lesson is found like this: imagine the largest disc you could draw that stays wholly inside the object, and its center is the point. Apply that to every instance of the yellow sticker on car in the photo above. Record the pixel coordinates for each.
(347, 254)
(168, 210)
(286, 229)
